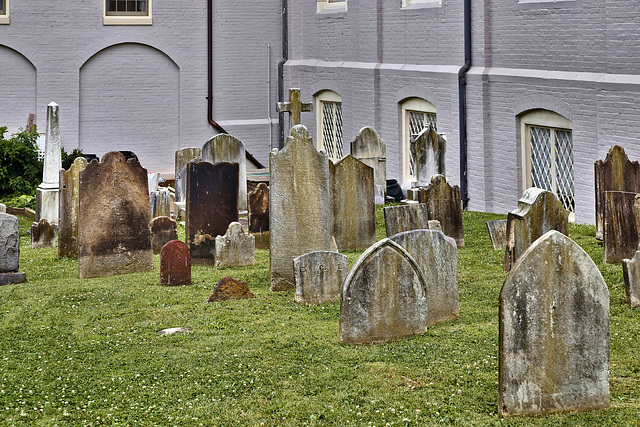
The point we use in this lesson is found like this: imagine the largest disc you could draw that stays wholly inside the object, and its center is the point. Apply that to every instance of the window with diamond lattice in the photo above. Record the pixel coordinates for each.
(329, 124)
(418, 121)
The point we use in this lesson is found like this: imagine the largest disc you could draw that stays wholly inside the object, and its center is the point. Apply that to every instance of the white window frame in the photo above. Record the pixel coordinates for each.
(420, 4)
(319, 100)
(328, 6)
(127, 19)
(408, 106)
(4, 16)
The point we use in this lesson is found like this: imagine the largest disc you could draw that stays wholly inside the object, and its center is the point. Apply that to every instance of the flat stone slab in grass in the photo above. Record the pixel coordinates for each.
(554, 331)
(172, 331)
(43, 235)
(235, 248)
(398, 219)
(319, 276)
(498, 233)
(163, 230)
(9, 243)
(175, 264)
(631, 272)
(12, 278)
(229, 288)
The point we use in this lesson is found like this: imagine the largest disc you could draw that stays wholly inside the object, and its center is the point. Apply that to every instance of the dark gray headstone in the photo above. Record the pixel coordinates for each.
(229, 149)
(319, 276)
(9, 243)
(444, 204)
(398, 219)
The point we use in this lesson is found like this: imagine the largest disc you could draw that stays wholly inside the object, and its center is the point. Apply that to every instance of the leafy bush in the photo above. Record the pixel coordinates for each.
(20, 167)
(68, 158)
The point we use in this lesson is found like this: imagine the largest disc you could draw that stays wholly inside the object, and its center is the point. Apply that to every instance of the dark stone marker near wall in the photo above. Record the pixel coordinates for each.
(621, 225)
(444, 204)
(259, 209)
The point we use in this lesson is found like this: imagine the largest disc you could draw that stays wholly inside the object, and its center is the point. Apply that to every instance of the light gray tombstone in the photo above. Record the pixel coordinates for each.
(47, 192)
(68, 208)
(434, 224)
(319, 276)
(405, 217)
(226, 148)
(153, 179)
(235, 248)
(371, 150)
(384, 296)
(183, 157)
(3, 208)
(160, 202)
(10, 250)
(554, 331)
(299, 205)
(437, 256)
(631, 272)
(428, 150)
(498, 233)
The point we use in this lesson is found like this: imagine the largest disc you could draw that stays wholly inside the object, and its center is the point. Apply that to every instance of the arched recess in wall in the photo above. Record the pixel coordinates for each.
(18, 94)
(130, 100)
(329, 137)
(415, 115)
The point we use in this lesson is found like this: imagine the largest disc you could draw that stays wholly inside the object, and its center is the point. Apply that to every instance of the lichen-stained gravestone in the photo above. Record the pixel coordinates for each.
(371, 150)
(259, 209)
(229, 149)
(212, 204)
(538, 211)
(437, 256)
(163, 230)
(235, 248)
(175, 264)
(631, 273)
(10, 250)
(319, 276)
(384, 296)
(353, 202)
(445, 205)
(114, 216)
(621, 225)
(68, 208)
(428, 150)
(43, 234)
(554, 331)
(160, 202)
(398, 219)
(299, 205)
(615, 173)
(498, 233)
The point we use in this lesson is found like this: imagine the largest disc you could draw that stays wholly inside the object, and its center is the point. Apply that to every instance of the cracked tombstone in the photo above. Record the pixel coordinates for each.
(444, 204)
(398, 219)
(371, 150)
(226, 148)
(621, 225)
(235, 248)
(319, 276)
(68, 208)
(10, 250)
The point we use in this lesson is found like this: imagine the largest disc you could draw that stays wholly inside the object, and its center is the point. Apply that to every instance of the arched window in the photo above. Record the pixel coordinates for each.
(547, 148)
(328, 107)
(417, 114)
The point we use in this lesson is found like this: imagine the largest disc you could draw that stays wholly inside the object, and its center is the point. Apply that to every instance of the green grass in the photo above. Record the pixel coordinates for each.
(85, 352)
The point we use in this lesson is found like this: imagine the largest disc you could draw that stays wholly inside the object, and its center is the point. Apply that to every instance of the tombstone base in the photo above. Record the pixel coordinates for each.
(47, 204)
(203, 261)
(12, 278)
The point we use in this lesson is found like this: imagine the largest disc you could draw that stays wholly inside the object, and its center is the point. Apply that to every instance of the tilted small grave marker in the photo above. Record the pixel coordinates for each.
(319, 276)
(498, 233)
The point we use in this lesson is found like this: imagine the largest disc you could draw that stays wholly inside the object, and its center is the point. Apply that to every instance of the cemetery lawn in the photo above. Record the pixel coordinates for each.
(86, 352)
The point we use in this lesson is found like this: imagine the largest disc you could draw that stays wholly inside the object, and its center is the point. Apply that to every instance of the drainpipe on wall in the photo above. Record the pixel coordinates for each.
(210, 68)
(462, 106)
(285, 57)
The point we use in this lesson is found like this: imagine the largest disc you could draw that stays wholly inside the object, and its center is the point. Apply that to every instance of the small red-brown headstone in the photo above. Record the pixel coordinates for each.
(230, 288)
(175, 264)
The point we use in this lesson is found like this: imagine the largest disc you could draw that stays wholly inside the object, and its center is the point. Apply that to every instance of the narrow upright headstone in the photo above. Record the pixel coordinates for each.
(370, 149)
(631, 273)
(444, 204)
(212, 204)
(428, 150)
(114, 216)
(621, 225)
(554, 331)
(175, 264)
(68, 208)
(259, 209)
(319, 276)
(405, 217)
(163, 230)
(615, 173)
(182, 159)
(43, 235)
(235, 248)
(160, 202)
(538, 211)
(437, 256)
(299, 205)
(10, 250)
(353, 202)
(47, 192)
(226, 148)
(384, 296)
(153, 179)
(498, 233)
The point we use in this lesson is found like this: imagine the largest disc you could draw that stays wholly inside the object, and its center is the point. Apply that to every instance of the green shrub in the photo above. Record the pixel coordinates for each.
(20, 167)
(68, 158)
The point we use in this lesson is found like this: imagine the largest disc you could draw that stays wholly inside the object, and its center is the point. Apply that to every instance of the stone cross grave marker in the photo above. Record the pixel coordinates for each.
(319, 276)
(43, 235)
(498, 233)
(554, 331)
(428, 150)
(621, 225)
(163, 230)
(10, 250)
(226, 148)
(294, 107)
(384, 296)
(175, 264)
(235, 248)
(68, 208)
(299, 205)
(405, 217)
(445, 205)
(114, 216)
(631, 273)
(47, 191)
(370, 149)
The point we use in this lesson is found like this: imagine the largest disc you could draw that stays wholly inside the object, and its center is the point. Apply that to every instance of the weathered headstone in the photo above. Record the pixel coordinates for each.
(3, 208)
(182, 159)
(68, 208)
(160, 202)
(384, 296)
(319, 276)
(437, 256)
(538, 211)
(428, 150)
(47, 191)
(163, 230)
(299, 205)
(212, 204)
(615, 173)
(498, 233)
(263, 240)
(353, 202)
(10, 250)
(554, 331)
(175, 264)
(444, 204)
(152, 180)
(226, 148)
(621, 225)
(434, 224)
(631, 273)
(235, 248)
(114, 216)
(229, 288)
(370, 149)
(259, 209)
(43, 234)
(405, 217)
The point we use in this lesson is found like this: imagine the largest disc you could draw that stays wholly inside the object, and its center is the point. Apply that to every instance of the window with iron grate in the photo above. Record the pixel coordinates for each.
(4, 11)
(417, 114)
(329, 124)
(127, 12)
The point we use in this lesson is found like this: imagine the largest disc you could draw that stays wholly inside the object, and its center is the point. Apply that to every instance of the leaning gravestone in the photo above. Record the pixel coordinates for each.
(615, 173)
(235, 248)
(353, 202)
(437, 256)
(163, 230)
(538, 211)
(114, 216)
(371, 150)
(319, 276)
(259, 209)
(631, 272)
(621, 225)
(68, 208)
(43, 235)
(175, 264)
(554, 331)
(444, 204)
(384, 296)
(10, 250)
(498, 233)
(212, 204)
(226, 148)
(299, 205)
(405, 217)
(428, 150)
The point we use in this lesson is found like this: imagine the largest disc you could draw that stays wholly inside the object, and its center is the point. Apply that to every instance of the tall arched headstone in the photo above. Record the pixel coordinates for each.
(371, 150)
(226, 148)
(68, 208)
(428, 150)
